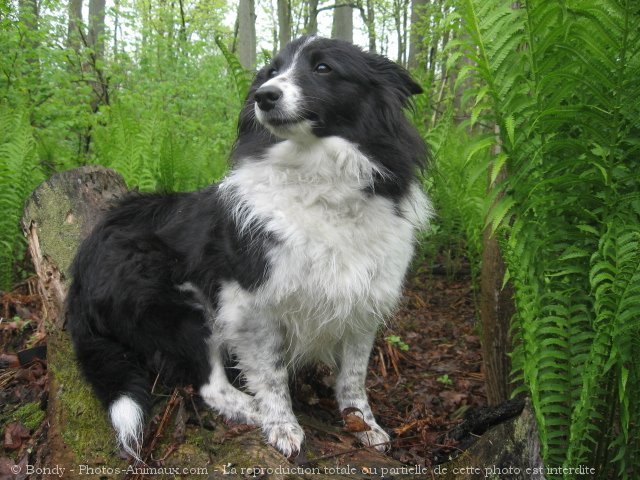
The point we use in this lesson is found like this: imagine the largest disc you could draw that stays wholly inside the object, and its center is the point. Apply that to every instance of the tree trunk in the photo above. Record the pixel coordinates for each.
(116, 26)
(182, 33)
(96, 27)
(398, 23)
(342, 23)
(74, 24)
(370, 23)
(416, 38)
(58, 215)
(284, 22)
(405, 31)
(29, 17)
(312, 26)
(95, 41)
(28, 11)
(247, 34)
(511, 445)
(496, 311)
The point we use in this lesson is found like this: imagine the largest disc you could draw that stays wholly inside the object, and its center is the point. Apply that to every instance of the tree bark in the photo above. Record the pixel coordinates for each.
(57, 216)
(416, 37)
(312, 25)
(247, 34)
(96, 27)
(29, 12)
(496, 311)
(505, 447)
(29, 16)
(342, 23)
(74, 23)
(116, 26)
(284, 22)
(400, 14)
(369, 18)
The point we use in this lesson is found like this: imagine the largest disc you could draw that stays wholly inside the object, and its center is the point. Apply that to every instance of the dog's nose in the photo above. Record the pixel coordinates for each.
(267, 97)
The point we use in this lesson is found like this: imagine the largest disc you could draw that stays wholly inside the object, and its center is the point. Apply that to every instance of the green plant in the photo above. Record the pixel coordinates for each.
(397, 342)
(559, 83)
(19, 173)
(445, 380)
(241, 77)
(458, 190)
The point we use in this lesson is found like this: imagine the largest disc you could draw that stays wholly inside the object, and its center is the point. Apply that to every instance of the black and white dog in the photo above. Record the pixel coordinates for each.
(298, 255)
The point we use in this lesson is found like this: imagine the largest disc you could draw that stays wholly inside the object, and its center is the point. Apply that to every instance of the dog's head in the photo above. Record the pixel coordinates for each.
(321, 87)
(317, 87)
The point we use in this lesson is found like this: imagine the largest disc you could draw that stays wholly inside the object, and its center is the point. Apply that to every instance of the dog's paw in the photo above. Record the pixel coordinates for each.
(376, 437)
(286, 437)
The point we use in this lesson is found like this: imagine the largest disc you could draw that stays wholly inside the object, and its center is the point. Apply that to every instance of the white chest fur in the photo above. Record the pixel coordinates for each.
(341, 254)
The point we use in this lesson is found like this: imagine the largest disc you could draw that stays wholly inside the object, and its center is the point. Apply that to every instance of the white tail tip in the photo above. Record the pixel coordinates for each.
(127, 418)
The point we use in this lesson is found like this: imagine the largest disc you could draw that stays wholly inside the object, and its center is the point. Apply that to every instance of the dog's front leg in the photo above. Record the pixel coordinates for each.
(350, 387)
(261, 359)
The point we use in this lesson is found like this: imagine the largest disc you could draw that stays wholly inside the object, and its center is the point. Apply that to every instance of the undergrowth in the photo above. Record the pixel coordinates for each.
(554, 87)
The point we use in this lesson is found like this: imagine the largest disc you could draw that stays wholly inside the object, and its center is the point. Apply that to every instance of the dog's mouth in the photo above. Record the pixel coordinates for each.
(286, 126)
(281, 122)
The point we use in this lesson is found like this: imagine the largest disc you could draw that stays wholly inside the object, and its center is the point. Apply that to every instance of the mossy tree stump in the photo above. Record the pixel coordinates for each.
(57, 216)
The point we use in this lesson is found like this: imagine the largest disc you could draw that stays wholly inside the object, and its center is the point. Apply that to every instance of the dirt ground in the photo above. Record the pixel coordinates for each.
(425, 372)
(421, 392)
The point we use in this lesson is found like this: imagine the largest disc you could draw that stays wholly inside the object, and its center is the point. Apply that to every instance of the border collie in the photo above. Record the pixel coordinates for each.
(297, 256)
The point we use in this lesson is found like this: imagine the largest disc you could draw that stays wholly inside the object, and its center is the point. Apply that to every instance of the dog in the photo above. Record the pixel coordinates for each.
(298, 255)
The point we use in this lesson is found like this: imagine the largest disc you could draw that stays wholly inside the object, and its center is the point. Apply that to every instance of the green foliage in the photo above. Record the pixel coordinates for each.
(19, 174)
(458, 190)
(30, 415)
(241, 77)
(560, 82)
(154, 150)
(168, 121)
(397, 342)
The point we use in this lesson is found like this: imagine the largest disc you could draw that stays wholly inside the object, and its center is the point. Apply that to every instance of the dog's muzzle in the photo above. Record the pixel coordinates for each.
(267, 97)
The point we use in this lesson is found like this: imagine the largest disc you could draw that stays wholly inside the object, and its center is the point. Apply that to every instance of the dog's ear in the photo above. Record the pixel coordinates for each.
(394, 76)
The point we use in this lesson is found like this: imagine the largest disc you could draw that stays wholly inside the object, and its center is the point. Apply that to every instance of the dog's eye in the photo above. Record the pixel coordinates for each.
(322, 68)
(272, 72)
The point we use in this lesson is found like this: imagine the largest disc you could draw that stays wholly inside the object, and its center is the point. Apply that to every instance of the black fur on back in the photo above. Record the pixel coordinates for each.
(127, 319)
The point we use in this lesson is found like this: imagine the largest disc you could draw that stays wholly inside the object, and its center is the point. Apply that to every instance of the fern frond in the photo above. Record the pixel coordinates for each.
(20, 172)
(241, 76)
(561, 81)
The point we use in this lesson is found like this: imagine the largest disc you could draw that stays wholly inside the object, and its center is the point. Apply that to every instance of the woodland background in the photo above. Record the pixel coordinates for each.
(532, 113)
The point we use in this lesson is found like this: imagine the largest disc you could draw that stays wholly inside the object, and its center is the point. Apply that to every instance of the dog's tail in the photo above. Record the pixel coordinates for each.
(119, 379)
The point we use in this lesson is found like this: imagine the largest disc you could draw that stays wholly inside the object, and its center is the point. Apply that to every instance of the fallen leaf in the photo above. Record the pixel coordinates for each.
(236, 430)
(5, 467)
(354, 420)
(8, 360)
(453, 398)
(14, 435)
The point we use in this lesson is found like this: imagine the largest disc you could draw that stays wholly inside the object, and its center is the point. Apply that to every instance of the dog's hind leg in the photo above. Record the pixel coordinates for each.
(223, 397)
(350, 388)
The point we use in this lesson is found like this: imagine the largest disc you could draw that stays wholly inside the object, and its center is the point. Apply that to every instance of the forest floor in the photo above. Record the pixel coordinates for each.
(425, 373)
(421, 392)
